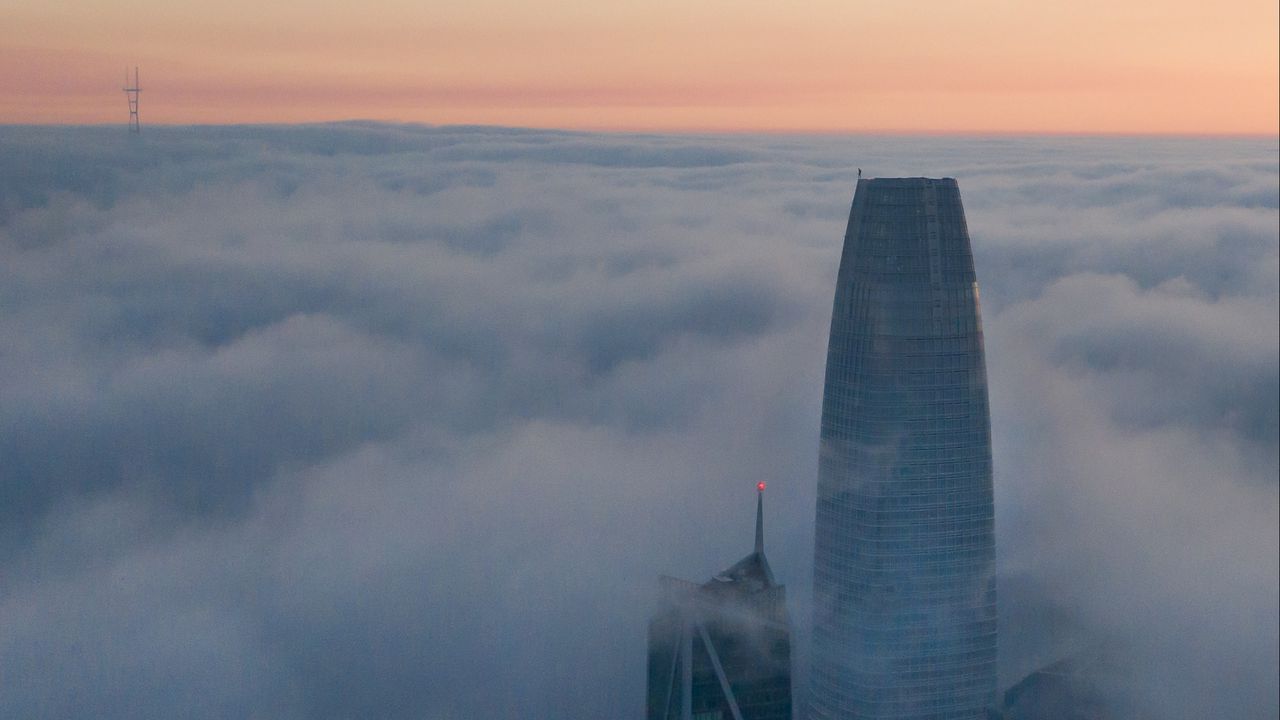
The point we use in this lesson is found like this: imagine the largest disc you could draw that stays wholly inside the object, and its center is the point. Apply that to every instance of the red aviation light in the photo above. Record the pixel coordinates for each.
(760, 486)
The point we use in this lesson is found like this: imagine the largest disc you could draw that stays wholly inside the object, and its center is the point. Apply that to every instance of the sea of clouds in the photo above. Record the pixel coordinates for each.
(385, 421)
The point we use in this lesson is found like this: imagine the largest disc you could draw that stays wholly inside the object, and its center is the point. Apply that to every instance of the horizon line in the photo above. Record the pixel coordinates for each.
(695, 131)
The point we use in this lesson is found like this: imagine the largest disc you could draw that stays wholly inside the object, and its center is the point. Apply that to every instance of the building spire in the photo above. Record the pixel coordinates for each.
(760, 517)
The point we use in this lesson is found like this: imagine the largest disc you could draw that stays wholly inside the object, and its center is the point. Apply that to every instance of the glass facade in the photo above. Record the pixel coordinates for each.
(727, 639)
(904, 552)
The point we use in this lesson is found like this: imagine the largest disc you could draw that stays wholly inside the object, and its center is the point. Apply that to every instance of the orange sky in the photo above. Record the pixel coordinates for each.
(1078, 66)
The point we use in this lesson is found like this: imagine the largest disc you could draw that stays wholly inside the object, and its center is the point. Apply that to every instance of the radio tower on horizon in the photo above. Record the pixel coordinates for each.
(132, 93)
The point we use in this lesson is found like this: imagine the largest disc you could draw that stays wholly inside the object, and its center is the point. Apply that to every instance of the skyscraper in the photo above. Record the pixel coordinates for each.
(904, 552)
(722, 650)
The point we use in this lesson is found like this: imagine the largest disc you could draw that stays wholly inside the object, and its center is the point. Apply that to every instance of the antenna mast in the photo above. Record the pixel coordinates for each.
(132, 93)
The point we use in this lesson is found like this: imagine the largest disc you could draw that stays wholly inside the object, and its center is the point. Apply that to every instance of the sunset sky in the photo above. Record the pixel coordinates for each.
(1084, 66)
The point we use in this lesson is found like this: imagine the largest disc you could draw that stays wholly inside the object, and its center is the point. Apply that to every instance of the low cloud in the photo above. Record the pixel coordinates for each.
(402, 421)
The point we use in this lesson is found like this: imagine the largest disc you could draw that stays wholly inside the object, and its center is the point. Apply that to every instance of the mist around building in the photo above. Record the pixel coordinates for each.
(365, 420)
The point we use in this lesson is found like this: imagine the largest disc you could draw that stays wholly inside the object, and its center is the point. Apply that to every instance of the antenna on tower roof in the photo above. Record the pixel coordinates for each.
(132, 93)
(760, 517)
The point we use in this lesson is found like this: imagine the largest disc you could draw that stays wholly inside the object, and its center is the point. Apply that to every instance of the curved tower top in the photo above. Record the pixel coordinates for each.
(904, 551)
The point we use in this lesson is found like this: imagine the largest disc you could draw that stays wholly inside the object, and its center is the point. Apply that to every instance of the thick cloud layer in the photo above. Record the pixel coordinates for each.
(375, 421)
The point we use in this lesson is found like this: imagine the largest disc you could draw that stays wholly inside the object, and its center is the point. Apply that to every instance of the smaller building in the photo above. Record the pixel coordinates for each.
(1092, 684)
(722, 650)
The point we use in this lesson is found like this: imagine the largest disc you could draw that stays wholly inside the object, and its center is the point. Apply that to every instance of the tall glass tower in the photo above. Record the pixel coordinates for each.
(904, 552)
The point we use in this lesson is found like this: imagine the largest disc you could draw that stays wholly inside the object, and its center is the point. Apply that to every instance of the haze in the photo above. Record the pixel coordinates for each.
(404, 422)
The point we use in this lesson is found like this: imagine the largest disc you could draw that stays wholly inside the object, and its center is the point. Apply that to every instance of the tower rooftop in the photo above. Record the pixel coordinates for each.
(752, 573)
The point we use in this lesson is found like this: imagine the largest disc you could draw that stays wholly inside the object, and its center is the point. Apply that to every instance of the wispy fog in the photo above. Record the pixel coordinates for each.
(404, 422)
